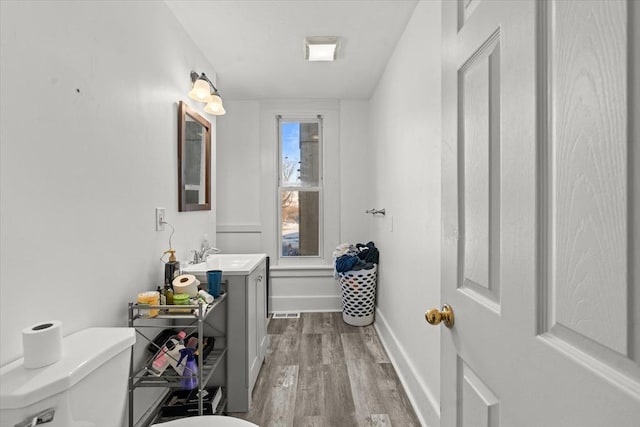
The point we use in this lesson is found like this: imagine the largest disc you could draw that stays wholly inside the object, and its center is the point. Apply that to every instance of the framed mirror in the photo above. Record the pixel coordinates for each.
(194, 160)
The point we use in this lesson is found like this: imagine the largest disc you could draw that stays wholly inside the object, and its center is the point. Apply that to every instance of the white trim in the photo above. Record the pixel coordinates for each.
(301, 271)
(306, 303)
(239, 228)
(425, 404)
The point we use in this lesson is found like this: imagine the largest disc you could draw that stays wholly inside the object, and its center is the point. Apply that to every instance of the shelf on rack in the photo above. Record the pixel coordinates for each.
(155, 414)
(220, 409)
(166, 314)
(143, 379)
(194, 318)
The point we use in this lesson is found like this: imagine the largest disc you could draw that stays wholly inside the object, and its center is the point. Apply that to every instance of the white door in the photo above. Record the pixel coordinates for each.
(541, 200)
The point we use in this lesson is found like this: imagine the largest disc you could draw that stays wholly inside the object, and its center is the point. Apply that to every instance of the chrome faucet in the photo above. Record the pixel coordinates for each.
(201, 255)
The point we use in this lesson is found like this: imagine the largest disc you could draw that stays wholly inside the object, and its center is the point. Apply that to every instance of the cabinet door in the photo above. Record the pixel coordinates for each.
(256, 322)
(261, 318)
(252, 333)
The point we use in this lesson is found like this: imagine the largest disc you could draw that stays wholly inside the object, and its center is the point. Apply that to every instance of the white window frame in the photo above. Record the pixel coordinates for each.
(269, 205)
(317, 118)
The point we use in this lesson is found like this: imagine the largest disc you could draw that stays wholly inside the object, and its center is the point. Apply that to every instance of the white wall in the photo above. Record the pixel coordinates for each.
(88, 151)
(238, 173)
(405, 142)
(247, 217)
(356, 172)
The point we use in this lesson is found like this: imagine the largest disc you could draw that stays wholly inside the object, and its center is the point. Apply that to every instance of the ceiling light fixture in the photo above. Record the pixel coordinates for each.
(320, 48)
(204, 91)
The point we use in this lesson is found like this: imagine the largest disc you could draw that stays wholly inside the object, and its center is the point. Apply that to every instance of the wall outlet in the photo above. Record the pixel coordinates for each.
(160, 219)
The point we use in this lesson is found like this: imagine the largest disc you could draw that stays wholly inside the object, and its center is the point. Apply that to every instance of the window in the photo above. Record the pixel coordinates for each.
(300, 186)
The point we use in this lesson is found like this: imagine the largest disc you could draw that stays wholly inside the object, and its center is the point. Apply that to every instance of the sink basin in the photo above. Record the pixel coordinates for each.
(234, 264)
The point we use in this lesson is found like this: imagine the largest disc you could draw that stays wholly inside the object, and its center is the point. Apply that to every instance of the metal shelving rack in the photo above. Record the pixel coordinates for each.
(197, 314)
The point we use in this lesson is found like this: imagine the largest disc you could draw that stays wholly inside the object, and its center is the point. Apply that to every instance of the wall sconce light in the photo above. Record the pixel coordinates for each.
(204, 91)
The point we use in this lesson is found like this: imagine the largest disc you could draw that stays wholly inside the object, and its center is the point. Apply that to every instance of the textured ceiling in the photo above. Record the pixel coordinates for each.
(257, 46)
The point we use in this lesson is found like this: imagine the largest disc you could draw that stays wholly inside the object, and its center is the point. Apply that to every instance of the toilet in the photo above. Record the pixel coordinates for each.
(86, 388)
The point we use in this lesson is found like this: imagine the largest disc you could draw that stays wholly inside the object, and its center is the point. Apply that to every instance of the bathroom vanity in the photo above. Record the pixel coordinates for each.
(247, 331)
(245, 276)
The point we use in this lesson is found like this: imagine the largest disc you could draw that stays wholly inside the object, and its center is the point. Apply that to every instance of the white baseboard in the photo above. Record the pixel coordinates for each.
(306, 303)
(424, 402)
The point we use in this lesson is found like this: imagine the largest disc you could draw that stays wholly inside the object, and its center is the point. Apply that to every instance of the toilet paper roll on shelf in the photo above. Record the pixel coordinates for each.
(42, 344)
(186, 284)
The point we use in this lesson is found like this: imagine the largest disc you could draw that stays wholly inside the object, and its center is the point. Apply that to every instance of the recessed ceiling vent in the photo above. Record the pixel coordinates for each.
(320, 48)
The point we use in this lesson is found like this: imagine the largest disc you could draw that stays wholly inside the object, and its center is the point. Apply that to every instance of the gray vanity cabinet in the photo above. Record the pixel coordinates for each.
(247, 335)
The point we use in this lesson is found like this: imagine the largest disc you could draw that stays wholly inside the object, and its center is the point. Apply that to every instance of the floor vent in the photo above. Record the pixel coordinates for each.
(286, 315)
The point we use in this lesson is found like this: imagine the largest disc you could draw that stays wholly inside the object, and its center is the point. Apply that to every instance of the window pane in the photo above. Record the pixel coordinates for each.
(300, 228)
(300, 154)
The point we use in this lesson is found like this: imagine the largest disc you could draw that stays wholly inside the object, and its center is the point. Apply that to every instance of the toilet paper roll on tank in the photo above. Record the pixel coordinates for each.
(42, 344)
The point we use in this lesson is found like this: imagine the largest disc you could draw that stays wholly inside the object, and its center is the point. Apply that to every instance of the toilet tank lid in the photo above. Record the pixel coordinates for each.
(83, 352)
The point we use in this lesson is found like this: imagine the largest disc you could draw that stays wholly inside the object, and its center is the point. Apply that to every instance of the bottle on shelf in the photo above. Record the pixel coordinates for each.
(168, 294)
(162, 297)
(170, 352)
(171, 267)
(189, 379)
(192, 342)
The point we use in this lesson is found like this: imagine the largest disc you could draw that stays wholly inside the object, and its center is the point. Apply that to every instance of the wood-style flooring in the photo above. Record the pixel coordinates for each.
(322, 372)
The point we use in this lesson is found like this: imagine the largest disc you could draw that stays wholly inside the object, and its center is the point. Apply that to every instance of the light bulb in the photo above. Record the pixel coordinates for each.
(214, 106)
(201, 91)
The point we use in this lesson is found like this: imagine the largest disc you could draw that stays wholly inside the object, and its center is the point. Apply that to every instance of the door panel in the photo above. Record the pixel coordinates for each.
(540, 224)
(586, 186)
(479, 406)
(466, 9)
(479, 168)
(587, 301)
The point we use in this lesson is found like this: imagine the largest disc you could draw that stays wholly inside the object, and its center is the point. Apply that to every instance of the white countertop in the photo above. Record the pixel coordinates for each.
(230, 264)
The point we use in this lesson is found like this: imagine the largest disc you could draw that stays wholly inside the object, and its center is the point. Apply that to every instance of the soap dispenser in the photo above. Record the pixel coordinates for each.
(172, 267)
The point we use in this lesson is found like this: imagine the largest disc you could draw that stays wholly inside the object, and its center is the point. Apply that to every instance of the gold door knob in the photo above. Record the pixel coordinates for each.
(435, 316)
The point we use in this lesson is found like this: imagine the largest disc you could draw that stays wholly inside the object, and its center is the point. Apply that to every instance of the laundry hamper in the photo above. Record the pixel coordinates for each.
(358, 296)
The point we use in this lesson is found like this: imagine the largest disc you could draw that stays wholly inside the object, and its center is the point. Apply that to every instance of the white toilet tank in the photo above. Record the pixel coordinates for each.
(86, 388)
